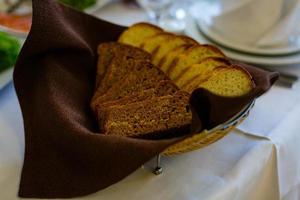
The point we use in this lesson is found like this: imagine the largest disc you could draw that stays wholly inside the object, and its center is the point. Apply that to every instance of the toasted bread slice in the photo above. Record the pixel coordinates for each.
(163, 88)
(152, 44)
(145, 76)
(168, 60)
(193, 55)
(170, 44)
(109, 50)
(200, 70)
(136, 34)
(156, 117)
(117, 70)
(230, 81)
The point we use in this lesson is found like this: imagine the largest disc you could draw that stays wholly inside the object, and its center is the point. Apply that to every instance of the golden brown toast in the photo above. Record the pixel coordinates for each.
(225, 81)
(168, 45)
(193, 55)
(200, 70)
(137, 33)
(168, 60)
(151, 44)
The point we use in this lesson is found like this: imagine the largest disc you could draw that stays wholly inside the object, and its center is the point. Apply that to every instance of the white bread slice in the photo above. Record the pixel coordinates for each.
(200, 70)
(168, 60)
(225, 81)
(136, 34)
(192, 56)
(170, 44)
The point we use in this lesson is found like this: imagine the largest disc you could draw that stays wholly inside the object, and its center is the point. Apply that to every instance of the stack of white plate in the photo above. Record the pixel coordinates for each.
(287, 55)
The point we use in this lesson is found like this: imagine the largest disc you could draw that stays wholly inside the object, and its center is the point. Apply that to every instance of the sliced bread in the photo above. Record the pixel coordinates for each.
(164, 87)
(168, 59)
(152, 44)
(142, 78)
(110, 50)
(225, 81)
(117, 70)
(200, 70)
(170, 44)
(193, 55)
(155, 117)
(136, 34)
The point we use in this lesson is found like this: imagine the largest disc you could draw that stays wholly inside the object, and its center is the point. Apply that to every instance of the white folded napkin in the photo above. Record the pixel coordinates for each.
(260, 23)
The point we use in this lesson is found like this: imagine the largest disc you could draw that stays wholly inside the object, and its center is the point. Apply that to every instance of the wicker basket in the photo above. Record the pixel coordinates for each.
(207, 137)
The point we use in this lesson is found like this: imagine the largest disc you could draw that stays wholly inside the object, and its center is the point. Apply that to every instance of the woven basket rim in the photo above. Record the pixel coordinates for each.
(234, 120)
(212, 135)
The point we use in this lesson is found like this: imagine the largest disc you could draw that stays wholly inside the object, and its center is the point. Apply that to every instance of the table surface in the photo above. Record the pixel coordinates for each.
(258, 160)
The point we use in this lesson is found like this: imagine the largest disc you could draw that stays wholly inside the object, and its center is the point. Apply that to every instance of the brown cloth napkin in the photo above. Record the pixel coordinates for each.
(54, 76)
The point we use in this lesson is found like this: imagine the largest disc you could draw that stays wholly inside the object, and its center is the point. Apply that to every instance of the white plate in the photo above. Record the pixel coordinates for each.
(217, 38)
(193, 31)
(6, 77)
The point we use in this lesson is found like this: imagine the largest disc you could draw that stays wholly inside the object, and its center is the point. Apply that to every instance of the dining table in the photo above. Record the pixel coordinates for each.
(258, 160)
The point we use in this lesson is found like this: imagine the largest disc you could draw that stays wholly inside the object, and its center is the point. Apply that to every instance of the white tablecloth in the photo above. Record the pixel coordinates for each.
(259, 160)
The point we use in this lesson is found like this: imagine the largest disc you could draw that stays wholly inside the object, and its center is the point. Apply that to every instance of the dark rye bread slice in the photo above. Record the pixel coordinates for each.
(117, 70)
(110, 50)
(158, 117)
(144, 76)
(164, 87)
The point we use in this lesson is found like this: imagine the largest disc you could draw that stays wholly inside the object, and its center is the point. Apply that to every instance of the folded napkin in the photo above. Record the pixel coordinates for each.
(65, 155)
(260, 23)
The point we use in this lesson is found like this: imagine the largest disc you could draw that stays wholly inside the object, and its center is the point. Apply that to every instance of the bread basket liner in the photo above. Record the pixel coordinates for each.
(54, 77)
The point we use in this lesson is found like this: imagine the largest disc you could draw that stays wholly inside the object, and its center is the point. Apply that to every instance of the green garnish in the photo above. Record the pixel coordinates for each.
(79, 4)
(9, 51)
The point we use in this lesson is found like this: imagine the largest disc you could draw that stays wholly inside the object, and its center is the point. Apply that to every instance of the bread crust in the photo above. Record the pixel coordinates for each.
(208, 60)
(137, 99)
(158, 117)
(168, 60)
(164, 87)
(247, 86)
(109, 50)
(144, 76)
(133, 31)
(157, 38)
(168, 45)
(215, 52)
